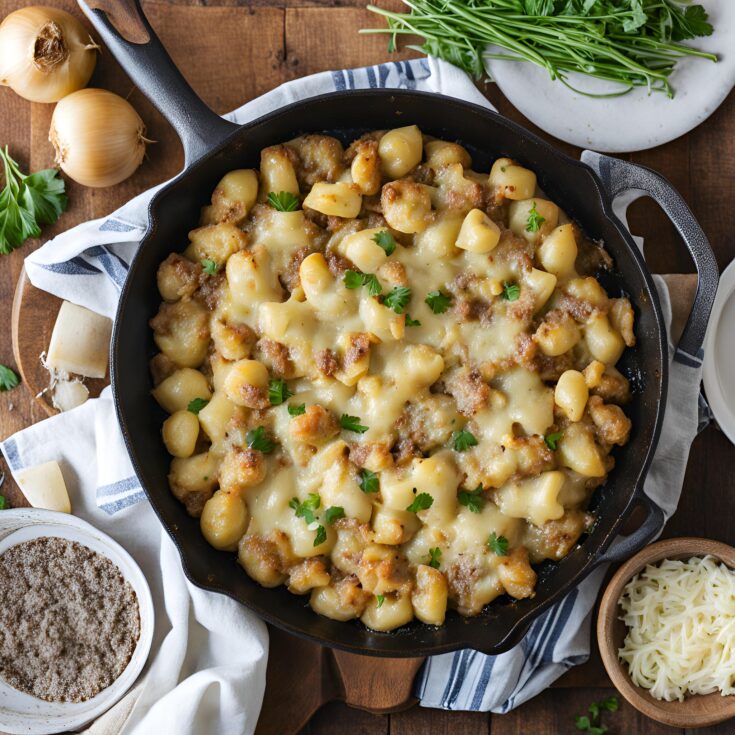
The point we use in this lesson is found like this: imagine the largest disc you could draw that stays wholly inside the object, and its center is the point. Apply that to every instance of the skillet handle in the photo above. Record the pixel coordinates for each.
(129, 36)
(618, 176)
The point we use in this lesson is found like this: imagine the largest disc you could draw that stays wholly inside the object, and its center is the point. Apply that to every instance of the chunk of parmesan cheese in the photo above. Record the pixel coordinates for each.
(44, 487)
(80, 342)
(68, 394)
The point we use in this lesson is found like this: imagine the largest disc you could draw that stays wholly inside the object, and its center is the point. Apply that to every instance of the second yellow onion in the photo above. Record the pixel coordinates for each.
(99, 138)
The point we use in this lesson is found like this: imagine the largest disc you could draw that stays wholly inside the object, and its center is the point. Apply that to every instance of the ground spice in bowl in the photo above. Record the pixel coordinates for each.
(69, 620)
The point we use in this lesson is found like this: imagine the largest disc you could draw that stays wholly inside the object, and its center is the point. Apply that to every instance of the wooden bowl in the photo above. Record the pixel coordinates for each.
(694, 711)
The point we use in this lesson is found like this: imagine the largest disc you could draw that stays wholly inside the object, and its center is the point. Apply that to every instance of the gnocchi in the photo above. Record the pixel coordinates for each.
(389, 381)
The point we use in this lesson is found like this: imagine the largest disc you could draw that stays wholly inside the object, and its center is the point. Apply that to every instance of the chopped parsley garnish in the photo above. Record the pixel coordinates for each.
(398, 298)
(258, 439)
(284, 201)
(591, 723)
(422, 501)
(306, 508)
(472, 499)
(3, 502)
(297, 409)
(437, 301)
(535, 220)
(380, 599)
(355, 279)
(435, 557)
(386, 241)
(412, 322)
(278, 392)
(352, 423)
(498, 544)
(552, 439)
(511, 291)
(321, 535)
(210, 267)
(369, 482)
(8, 378)
(333, 513)
(462, 440)
(196, 405)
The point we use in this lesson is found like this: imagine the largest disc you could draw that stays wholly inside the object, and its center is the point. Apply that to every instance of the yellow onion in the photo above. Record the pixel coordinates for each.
(45, 53)
(99, 138)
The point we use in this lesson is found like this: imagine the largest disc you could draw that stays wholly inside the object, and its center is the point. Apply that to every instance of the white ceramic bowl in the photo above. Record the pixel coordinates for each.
(23, 714)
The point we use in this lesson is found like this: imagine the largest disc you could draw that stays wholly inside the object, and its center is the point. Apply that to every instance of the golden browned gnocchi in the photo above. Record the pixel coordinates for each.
(390, 382)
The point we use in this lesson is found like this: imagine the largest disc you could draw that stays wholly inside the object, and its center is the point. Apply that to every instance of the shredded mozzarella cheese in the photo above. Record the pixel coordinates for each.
(681, 628)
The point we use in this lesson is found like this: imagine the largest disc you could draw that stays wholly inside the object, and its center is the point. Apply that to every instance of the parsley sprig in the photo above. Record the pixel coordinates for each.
(8, 378)
(306, 510)
(368, 481)
(3, 502)
(278, 392)
(352, 423)
(498, 544)
(511, 291)
(435, 557)
(437, 301)
(591, 723)
(535, 220)
(296, 409)
(356, 279)
(472, 499)
(209, 266)
(398, 298)
(423, 501)
(552, 439)
(386, 241)
(283, 201)
(27, 202)
(196, 405)
(258, 439)
(462, 440)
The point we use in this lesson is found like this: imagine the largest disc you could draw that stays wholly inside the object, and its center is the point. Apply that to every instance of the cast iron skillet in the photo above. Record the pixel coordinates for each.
(583, 189)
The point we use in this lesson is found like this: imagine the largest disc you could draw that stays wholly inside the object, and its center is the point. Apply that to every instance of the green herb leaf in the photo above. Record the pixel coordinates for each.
(297, 409)
(196, 405)
(472, 499)
(27, 202)
(552, 439)
(498, 544)
(3, 502)
(355, 279)
(423, 501)
(259, 440)
(284, 201)
(209, 266)
(398, 298)
(352, 423)
(535, 220)
(437, 301)
(278, 392)
(321, 535)
(386, 241)
(333, 513)
(611, 704)
(8, 378)
(306, 508)
(435, 557)
(462, 440)
(380, 599)
(582, 722)
(412, 322)
(511, 291)
(368, 481)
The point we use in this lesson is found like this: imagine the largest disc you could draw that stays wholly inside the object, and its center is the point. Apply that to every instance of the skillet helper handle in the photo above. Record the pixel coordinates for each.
(618, 176)
(128, 35)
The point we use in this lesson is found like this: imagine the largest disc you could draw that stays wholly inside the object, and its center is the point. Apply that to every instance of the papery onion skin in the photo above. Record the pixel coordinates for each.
(99, 138)
(45, 53)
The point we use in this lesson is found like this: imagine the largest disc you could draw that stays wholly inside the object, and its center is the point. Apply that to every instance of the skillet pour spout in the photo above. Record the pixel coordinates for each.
(584, 189)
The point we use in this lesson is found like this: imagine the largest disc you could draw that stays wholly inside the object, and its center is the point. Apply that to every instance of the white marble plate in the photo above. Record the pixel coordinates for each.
(719, 348)
(23, 714)
(635, 121)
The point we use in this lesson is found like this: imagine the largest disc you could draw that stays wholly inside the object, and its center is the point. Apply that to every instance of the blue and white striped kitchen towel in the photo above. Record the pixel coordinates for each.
(88, 266)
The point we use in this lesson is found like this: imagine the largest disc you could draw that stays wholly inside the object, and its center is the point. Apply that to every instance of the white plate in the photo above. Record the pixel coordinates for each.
(23, 714)
(635, 121)
(719, 348)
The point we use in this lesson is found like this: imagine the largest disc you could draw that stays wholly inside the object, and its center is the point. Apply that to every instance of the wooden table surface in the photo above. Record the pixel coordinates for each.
(232, 51)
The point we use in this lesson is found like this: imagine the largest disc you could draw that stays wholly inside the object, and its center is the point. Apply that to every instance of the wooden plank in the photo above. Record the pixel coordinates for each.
(552, 712)
(336, 718)
(423, 721)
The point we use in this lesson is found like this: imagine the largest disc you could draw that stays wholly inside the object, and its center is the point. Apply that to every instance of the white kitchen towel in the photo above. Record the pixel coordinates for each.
(193, 676)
